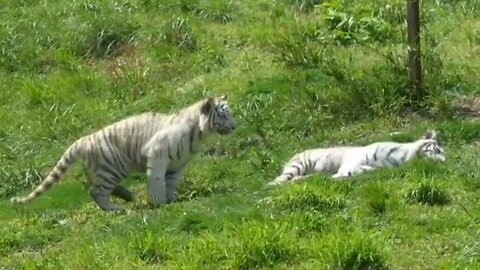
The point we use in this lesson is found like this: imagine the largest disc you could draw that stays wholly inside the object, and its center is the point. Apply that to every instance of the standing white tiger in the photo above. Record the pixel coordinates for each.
(160, 144)
(345, 161)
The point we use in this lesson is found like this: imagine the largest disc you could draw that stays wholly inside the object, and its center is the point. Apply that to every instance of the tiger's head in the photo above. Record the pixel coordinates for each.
(220, 115)
(430, 147)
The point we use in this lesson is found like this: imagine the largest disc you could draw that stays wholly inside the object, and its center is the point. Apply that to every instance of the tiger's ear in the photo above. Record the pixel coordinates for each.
(430, 135)
(207, 105)
(223, 97)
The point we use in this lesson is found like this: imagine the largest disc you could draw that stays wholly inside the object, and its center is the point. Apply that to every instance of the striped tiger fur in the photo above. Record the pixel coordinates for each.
(346, 161)
(159, 144)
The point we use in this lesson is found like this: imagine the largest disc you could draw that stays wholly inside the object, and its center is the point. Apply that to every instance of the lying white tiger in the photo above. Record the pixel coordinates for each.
(347, 161)
(160, 144)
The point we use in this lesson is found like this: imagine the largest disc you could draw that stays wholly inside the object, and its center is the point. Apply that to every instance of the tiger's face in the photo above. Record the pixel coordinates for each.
(432, 150)
(220, 116)
(430, 147)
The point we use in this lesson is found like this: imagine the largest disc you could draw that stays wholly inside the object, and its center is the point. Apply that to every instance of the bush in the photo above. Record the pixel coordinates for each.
(217, 11)
(429, 194)
(262, 245)
(353, 251)
(106, 37)
(151, 248)
(177, 32)
(304, 199)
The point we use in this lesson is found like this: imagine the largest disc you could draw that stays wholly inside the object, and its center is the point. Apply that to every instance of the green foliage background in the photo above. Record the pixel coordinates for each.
(299, 74)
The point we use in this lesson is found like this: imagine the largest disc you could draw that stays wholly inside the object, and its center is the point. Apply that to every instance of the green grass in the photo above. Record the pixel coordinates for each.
(299, 74)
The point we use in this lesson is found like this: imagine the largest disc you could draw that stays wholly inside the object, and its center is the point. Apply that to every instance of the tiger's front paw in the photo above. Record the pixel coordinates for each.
(156, 202)
(342, 175)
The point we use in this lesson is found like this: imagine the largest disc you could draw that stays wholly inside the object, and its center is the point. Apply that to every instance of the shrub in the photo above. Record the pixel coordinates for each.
(15, 181)
(106, 37)
(217, 11)
(376, 198)
(178, 33)
(353, 251)
(305, 5)
(306, 199)
(152, 248)
(262, 245)
(428, 193)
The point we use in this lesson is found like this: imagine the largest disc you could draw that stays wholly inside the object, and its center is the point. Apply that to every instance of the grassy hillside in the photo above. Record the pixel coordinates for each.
(298, 75)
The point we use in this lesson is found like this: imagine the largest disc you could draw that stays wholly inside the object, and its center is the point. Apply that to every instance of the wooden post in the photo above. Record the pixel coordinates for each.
(413, 25)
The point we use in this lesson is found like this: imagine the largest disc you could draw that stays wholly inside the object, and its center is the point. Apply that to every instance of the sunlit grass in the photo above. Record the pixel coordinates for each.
(299, 74)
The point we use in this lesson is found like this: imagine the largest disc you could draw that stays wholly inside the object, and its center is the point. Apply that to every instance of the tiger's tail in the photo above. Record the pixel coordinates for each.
(292, 171)
(66, 161)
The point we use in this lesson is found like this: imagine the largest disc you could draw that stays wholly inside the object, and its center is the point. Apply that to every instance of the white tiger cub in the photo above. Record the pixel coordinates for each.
(160, 144)
(345, 161)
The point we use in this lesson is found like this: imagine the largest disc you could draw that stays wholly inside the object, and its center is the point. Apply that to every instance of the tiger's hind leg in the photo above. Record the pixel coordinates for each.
(123, 193)
(101, 196)
(103, 186)
(105, 170)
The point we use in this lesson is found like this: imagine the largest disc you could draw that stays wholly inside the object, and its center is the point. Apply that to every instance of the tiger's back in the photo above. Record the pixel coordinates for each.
(327, 159)
(124, 139)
